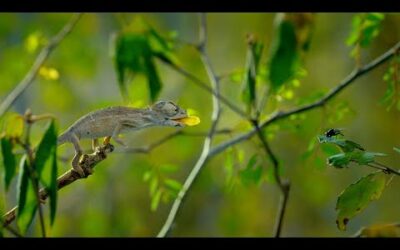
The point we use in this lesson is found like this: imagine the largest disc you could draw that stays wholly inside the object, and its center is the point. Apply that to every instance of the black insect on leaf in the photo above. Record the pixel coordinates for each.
(333, 132)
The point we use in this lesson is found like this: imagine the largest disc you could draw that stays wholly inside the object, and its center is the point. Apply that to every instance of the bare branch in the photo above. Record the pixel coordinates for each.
(332, 93)
(176, 206)
(40, 59)
(88, 162)
(284, 186)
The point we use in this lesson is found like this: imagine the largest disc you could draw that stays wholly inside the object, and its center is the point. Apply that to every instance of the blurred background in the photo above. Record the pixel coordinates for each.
(116, 200)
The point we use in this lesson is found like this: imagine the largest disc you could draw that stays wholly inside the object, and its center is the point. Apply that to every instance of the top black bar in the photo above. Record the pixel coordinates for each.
(200, 6)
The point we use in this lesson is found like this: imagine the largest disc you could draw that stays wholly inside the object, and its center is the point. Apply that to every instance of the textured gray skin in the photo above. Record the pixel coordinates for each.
(112, 121)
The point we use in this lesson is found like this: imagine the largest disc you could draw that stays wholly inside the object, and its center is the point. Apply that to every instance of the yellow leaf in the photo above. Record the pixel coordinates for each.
(32, 42)
(14, 126)
(49, 73)
(189, 121)
(288, 94)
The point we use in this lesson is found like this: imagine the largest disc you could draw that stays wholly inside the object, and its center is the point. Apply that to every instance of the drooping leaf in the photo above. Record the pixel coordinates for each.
(44, 152)
(14, 125)
(135, 52)
(396, 149)
(251, 71)
(252, 174)
(391, 77)
(53, 188)
(365, 27)
(8, 161)
(153, 79)
(130, 50)
(27, 203)
(168, 168)
(344, 144)
(155, 200)
(361, 157)
(339, 160)
(173, 185)
(284, 54)
(357, 196)
(153, 185)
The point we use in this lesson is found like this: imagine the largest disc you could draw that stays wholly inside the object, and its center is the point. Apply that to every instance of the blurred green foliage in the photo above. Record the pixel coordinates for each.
(236, 194)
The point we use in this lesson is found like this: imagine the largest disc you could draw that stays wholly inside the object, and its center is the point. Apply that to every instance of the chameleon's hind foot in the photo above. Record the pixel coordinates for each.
(75, 164)
(106, 140)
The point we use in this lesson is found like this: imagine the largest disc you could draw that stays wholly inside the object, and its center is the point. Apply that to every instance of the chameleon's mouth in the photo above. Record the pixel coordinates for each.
(188, 120)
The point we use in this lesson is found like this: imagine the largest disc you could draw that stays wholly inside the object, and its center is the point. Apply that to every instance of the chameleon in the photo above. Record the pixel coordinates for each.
(112, 121)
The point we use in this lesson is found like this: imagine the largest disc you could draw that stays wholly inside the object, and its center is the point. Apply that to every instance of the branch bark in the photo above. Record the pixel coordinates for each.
(40, 60)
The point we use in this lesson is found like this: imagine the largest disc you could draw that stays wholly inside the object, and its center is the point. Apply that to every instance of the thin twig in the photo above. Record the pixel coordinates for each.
(284, 186)
(40, 59)
(88, 162)
(278, 115)
(10, 229)
(176, 206)
(384, 168)
(147, 149)
(203, 85)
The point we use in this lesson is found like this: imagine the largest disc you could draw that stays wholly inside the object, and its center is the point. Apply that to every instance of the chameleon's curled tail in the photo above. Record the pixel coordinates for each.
(63, 138)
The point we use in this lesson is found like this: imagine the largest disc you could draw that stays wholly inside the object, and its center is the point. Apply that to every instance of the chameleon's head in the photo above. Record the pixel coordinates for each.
(167, 113)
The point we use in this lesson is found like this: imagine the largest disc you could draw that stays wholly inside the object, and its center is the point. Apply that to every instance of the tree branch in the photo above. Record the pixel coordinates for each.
(176, 206)
(284, 186)
(88, 162)
(332, 93)
(40, 59)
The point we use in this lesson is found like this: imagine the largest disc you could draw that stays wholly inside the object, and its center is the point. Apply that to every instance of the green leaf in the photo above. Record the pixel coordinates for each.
(27, 203)
(134, 54)
(357, 196)
(363, 158)
(153, 79)
(14, 125)
(46, 165)
(343, 159)
(345, 145)
(396, 149)
(251, 174)
(168, 168)
(365, 27)
(45, 150)
(155, 200)
(53, 188)
(130, 49)
(173, 185)
(339, 160)
(153, 185)
(8, 161)
(284, 55)
(251, 72)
